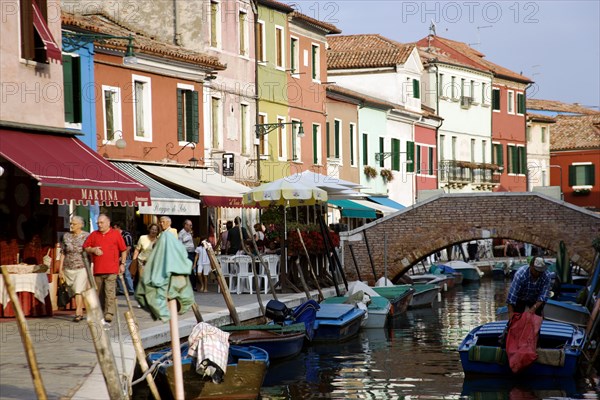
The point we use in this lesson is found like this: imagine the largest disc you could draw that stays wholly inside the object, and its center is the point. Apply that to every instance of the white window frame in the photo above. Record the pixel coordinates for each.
(281, 44)
(265, 137)
(298, 149)
(243, 30)
(117, 114)
(484, 97)
(340, 140)
(147, 104)
(218, 123)
(284, 153)
(218, 26)
(510, 102)
(453, 88)
(246, 147)
(317, 63)
(354, 138)
(189, 87)
(318, 144)
(295, 55)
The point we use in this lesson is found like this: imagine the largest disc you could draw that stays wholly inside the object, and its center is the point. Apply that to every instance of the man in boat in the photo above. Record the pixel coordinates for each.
(530, 288)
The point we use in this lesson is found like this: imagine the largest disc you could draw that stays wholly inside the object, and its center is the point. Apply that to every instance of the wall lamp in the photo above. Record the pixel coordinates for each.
(76, 40)
(386, 154)
(119, 143)
(193, 161)
(264, 129)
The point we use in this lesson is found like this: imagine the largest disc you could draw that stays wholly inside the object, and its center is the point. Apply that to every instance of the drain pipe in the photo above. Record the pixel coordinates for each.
(254, 4)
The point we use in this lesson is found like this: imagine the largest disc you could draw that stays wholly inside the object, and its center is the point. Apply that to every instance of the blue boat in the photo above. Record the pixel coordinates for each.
(559, 348)
(246, 370)
(337, 322)
(277, 340)
(378, 309)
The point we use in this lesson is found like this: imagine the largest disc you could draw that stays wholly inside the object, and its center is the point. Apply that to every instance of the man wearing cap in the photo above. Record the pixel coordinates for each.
(530, 288)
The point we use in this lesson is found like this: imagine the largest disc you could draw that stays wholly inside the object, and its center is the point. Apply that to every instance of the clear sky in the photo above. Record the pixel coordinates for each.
(554, 43)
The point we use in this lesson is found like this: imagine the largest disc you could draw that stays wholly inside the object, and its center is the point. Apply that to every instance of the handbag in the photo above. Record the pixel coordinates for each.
(47, 260)
(133, 267)
(62, 294)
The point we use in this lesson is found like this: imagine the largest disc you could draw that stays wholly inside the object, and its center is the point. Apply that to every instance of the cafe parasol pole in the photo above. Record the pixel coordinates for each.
(38, 384)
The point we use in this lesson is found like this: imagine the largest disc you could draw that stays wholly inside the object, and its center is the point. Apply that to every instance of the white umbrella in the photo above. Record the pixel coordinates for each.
(284, 192)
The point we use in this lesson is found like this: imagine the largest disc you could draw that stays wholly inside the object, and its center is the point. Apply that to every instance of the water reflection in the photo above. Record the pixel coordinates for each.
(415, 358)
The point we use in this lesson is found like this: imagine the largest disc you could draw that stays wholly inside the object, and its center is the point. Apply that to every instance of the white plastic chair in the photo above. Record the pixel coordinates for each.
(228, 270)
(244, 272)
(272, 261)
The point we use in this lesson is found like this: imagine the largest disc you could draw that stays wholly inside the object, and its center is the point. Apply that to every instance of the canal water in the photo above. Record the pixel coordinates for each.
(414, 359)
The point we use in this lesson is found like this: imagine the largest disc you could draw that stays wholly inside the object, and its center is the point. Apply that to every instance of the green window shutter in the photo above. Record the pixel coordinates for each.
(180, 105)
(499, 155)
(495, 99)
(395, 154)
(520, 103)
(416, 89)
(381, 151)
(68, 85)
(195, 118)
(314, 62)
(430, 161)
(336, 139)
(590, 175)
(410, 156)
(572, 175)
(76, 65)
(522, 160)
(351, 144)
(327, 138)
(418, 169)
(514, 168)
(315, 145)
(365, 149)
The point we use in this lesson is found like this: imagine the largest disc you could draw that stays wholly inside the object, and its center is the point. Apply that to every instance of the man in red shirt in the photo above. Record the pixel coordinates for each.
(107, 247)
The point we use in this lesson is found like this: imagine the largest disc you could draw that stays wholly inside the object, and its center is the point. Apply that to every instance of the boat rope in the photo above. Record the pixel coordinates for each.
(155, 365)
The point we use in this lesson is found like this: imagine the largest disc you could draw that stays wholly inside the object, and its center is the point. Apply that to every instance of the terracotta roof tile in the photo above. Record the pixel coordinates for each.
(276, 5)
(478, 58)
(442, 57)
(553, 105)
(580, 132)
(539, 117)
(365, 51)
(328, 28)
(143, 43)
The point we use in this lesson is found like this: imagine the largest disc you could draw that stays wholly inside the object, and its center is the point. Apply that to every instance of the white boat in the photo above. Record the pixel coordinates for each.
(469, 272)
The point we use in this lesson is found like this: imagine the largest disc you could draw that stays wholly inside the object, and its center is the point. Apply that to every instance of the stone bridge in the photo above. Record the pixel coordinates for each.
(402, 239)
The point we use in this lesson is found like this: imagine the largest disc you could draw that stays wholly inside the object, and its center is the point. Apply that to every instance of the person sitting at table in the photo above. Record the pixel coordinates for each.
(143, 249)
(72, 265)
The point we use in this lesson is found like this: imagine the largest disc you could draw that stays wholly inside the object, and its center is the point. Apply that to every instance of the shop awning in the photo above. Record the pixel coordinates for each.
(165, 201)
(350, 209)
(66, 169)
(385, 210)
(213, 189)
(41, 27)
(386, 201)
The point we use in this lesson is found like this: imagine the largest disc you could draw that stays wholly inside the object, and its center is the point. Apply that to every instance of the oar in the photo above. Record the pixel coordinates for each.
(264, 264)
(140, 353)
(216, 268)
(355, 263)
(302, 280)
(176, 349)
(126, 295)
(254, 274)
(38, 384)
(310, 267)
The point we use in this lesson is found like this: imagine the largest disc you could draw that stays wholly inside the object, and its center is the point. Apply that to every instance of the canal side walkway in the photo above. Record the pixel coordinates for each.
(66, 355)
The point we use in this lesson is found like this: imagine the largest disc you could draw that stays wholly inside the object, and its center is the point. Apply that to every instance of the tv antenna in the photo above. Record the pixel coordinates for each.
(479, 28)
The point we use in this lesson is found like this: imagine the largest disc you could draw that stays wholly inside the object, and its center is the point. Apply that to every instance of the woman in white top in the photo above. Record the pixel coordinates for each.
(202, 266)
(144, 247)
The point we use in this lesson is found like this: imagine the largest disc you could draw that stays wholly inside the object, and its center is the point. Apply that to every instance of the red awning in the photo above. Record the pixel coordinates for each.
(40, 25)
(67, 169)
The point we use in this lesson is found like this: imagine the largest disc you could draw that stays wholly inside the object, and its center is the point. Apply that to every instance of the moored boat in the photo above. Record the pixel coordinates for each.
(559, 347)
(245, 373)
(378, 309)
(470, 273)
(280, 341)
(559, 311)
(337, 322)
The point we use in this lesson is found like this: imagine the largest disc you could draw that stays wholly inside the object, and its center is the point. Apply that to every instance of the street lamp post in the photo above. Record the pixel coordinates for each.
(193, 161)
(264, 129)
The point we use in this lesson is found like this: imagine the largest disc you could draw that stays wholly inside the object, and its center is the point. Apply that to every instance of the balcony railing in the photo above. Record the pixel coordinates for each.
(462, 173)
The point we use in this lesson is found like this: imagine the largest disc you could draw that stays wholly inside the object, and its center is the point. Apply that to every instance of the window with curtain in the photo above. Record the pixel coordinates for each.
(142, 107)
(112, 111)
(582, 175)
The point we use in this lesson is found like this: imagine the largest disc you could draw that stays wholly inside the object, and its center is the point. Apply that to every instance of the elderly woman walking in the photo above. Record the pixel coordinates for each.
(144, 248)
(72, 266)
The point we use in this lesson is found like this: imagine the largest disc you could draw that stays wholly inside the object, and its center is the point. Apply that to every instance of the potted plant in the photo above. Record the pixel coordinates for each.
(370, 172)
(387, 175)
(581, 192)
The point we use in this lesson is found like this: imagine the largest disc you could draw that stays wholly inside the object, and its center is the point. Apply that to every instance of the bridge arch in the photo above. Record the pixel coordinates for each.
(400, 240)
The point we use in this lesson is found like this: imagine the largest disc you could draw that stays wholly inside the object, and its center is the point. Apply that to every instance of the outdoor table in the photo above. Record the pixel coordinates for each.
(33, 291)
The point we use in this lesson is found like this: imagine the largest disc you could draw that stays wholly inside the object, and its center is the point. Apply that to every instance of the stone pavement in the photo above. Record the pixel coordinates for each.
(67, 358)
